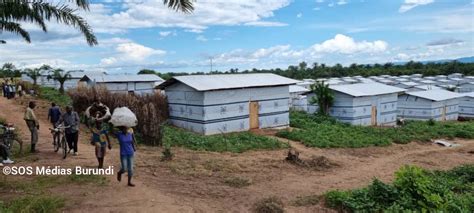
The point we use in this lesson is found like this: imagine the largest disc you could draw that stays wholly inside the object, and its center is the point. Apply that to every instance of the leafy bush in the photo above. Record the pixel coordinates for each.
(233, 142)
(413, 189)
(324, 132)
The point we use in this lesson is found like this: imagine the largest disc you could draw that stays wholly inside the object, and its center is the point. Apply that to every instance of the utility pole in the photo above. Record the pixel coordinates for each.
(210, 59)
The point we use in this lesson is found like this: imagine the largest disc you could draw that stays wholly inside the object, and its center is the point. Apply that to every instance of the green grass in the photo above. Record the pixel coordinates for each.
(33, 204)
(53, 95)
(35, 195)
(233, 142)
(413, 190)
(325, 132)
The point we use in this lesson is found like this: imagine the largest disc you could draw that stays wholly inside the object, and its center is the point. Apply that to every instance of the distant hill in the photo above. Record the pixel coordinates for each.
(461, 60)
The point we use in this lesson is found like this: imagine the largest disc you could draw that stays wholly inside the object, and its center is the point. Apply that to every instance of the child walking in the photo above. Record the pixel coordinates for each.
(127, 150)
(100, 139)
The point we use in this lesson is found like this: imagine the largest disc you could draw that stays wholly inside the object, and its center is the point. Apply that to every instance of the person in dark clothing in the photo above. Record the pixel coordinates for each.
(71, 120)
(4, 89)
(54, 113)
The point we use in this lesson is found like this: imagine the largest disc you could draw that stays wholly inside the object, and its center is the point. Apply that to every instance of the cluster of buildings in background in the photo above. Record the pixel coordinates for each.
(213, 104)
(381, 100)
(123, 83)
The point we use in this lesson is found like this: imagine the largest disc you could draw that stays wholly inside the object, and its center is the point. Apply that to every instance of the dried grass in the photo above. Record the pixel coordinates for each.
(151, 110)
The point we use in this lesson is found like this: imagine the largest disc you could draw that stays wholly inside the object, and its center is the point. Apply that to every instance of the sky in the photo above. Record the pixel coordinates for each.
(246, 34)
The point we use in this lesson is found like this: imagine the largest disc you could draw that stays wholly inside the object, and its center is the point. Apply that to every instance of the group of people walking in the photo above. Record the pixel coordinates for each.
(9, 89)
(99, 129)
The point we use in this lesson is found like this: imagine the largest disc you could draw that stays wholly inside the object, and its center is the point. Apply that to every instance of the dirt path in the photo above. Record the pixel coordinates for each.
(195, 181)
(116, 197)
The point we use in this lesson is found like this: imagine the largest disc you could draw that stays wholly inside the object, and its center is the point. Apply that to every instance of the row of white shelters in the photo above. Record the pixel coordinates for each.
(213, 104)
(435, 104)
(466, 105)
(125, 83)
(366, 104)
(75, 75)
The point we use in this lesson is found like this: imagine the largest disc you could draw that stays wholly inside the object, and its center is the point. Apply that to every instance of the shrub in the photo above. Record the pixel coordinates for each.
(413, 189)
(269, 205)
(151, 110)
(167, 155)
(237, 182)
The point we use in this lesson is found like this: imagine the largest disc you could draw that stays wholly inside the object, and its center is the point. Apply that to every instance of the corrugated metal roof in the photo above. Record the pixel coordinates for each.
(124, 78)
(427, 87)
(409, 83)
(298, 89)
(469, 94)
(366, 89)
(80, 74)
(230, 81)
(435, 95)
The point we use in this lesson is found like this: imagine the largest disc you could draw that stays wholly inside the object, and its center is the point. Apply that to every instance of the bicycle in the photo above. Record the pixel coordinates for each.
(9, 138)
(59, 133)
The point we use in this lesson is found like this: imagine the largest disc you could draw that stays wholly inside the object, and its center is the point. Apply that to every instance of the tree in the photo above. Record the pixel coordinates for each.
(60, 76)
(36, 72)
(146, 71)
(9, 70)
(14, 12)
(323, 97)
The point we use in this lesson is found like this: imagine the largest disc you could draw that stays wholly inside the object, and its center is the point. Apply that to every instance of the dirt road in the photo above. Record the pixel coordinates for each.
(196, 181)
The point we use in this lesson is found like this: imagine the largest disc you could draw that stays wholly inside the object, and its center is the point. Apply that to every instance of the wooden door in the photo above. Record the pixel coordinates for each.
(443, 116)
(253, 115)
(374, 116)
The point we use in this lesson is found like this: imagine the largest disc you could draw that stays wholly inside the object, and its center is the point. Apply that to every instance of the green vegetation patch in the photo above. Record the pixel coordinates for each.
(233, 142)
(413, 190)
(325, 132)
(33, 204)
(53, 95)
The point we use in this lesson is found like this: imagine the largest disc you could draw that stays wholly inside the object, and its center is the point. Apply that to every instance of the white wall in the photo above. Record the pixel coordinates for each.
(466, 107)
(223, 111)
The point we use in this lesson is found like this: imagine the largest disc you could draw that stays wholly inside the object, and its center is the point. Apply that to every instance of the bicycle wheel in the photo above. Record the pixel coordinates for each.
(15, 146)
(56, 143)
(64, 146)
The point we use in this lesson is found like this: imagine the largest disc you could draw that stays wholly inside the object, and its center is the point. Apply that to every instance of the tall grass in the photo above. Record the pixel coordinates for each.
(151, 110)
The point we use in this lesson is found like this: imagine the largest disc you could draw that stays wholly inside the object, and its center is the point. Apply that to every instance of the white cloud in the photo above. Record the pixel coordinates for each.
(137, 52)
(299, 15)
(108, 61)
(317, 8)
(346, 45)
(331, 4)
(342, 2)
(152, 13)
(201, 38)
(319, 1)
(410, 4)
(164, 34)
(265, 24)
